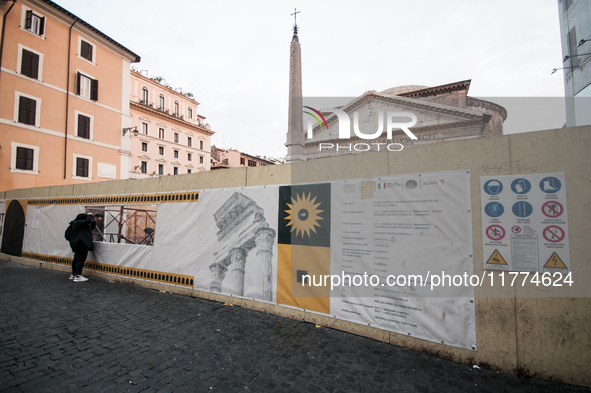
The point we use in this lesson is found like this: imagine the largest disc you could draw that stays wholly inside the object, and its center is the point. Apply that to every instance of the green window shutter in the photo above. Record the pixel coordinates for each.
(83, 126)
(94, 90)
(30, 64)
(27, 110)
(28, 18)
(34, 65)
(32, 112)
(24, 158)
(41, 26)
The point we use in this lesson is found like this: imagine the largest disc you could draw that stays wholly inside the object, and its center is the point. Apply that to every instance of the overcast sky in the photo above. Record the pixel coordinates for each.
(234, 55)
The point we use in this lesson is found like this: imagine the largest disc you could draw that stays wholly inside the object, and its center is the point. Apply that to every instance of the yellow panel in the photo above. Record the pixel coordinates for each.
(313, 260)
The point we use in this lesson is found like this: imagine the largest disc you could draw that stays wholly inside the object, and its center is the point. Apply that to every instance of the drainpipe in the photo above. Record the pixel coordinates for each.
(3, 29)
(67, 100)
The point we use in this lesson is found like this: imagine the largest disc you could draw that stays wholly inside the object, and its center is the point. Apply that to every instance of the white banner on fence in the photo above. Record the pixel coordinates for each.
(255, 242)
(402, 230)
(234, 247)
(45, 227)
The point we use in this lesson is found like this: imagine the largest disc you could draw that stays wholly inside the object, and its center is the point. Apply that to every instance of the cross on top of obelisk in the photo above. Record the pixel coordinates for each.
(295, 22)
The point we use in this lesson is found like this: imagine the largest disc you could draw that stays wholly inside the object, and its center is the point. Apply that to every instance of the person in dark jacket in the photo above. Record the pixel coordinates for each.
(80, 243)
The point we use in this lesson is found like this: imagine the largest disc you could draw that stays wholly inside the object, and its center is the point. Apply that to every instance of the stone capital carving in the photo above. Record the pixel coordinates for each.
(264, 238)
(237, 258)
(218, 271)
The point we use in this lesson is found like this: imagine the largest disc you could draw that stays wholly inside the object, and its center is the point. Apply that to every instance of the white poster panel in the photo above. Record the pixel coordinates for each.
(524, 223)
(176, 234)
(45, 227)
(172, 252)
(124, 255)
(235, 243)
(408, 237)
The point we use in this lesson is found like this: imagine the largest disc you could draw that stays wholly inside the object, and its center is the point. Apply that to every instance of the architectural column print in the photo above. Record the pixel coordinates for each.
(243, 233)
(237, 262)
(264, 245)
(219, 272)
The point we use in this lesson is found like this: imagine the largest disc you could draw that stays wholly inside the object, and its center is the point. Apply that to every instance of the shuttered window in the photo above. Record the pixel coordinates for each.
(86, 50)
(24, 158)
(84, 126)
(27, 109)
(30, 64)
(34, 23)
(81, 167)
(86, 87)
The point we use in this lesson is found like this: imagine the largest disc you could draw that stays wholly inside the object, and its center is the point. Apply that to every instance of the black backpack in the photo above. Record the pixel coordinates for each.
(68, 233)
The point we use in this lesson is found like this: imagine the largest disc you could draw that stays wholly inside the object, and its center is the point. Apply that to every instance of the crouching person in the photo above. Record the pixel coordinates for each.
(80, 242)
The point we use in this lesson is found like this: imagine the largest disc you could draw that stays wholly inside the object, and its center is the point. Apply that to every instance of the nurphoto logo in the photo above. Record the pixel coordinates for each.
(392, 123)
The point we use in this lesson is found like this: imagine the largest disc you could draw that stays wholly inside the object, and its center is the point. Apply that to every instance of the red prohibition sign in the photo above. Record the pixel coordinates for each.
(553, 234)
(495, 232)
(552, 209)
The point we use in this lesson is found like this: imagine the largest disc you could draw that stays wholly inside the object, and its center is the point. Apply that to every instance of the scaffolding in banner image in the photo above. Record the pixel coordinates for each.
(125, 224)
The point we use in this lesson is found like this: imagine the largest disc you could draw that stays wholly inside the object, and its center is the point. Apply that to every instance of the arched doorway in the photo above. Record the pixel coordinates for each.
(14, 229)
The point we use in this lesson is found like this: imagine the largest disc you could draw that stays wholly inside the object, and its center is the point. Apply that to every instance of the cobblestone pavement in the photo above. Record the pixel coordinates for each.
(97, 336)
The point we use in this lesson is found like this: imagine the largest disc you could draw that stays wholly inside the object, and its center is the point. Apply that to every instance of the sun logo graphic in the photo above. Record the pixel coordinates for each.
(303, 214)
(315, 118)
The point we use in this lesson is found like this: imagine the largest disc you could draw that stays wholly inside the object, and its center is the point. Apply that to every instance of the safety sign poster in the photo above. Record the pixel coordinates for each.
(524, 223)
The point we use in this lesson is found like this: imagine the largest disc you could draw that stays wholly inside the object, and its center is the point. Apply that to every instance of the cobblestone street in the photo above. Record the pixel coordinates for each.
(98, 336)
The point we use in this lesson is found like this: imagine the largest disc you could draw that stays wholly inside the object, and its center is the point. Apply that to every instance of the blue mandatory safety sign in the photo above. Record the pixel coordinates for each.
(493, 187)
(522, 209)
(494, 209)
(550, 185)
(521, 186)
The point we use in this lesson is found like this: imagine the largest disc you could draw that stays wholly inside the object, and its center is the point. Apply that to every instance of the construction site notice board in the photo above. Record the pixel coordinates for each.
(525, 223)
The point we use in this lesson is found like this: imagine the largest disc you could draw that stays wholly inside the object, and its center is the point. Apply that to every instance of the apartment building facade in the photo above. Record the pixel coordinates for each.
(169, 137)
(231, 158)
(64, 87)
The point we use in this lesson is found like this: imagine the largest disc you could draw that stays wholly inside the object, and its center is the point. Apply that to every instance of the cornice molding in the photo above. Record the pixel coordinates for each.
(164, 115)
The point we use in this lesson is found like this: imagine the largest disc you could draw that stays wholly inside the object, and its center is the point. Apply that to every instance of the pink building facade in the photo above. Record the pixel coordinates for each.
(64, 89)
(231, 158)
(168, 136)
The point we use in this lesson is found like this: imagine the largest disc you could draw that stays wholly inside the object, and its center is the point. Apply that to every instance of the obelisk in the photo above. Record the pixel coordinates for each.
(295, 129)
